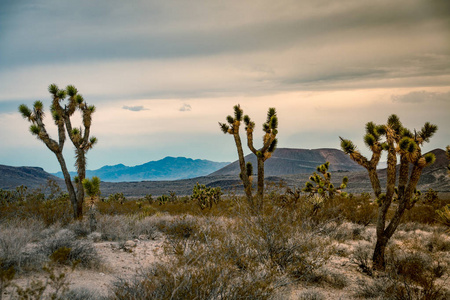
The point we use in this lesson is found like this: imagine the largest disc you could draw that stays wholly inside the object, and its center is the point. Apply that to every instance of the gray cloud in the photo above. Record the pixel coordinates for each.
(294, 45)
(134, 108)
(421, 97)
(186, 107)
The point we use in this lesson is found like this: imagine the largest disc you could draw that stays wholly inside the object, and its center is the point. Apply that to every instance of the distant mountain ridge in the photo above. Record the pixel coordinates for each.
(287, 161)
(168, 168)
(434, 176)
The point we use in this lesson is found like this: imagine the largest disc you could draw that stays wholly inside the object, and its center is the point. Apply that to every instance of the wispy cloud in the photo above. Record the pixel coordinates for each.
(134, 108)
(420, 97)
(186, 107)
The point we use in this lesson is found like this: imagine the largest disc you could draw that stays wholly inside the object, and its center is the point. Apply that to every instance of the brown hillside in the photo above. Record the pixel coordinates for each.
(32, 177)
(287, 161)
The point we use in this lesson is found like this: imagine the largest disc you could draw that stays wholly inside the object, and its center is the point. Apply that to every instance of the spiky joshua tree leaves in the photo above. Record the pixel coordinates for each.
(262, 154)
(80, 137)
(401, 143)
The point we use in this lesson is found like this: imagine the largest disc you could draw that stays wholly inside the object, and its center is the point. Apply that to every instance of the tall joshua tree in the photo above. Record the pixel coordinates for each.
(265, 152)
(246, 169)
(262, 154)
(79, 136)
(399, 142)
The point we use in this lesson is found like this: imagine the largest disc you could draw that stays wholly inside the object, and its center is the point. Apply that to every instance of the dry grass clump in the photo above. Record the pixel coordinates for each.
(347, 231)
(82, 294)
(64, 247)
(15, 239)
(311, 294)
(123, 227)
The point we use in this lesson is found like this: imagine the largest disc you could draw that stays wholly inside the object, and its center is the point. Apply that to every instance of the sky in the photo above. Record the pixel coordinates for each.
(162, 74)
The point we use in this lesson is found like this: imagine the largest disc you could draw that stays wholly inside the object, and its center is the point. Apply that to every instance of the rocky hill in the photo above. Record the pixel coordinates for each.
(32, 177)
(287, 161)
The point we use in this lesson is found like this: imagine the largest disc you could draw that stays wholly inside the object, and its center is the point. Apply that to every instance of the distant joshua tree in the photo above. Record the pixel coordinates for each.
(398, 141)
(322, 185)
(262, 154)
(79, 136)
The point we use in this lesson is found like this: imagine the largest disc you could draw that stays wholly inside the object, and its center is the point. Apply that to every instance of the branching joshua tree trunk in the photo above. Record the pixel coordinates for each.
(79, 137)
(265, 152)
(246, 169)
(269, 145)
(399, 142)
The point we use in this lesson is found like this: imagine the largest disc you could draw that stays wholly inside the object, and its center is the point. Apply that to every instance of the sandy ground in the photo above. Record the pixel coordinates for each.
(119, 261)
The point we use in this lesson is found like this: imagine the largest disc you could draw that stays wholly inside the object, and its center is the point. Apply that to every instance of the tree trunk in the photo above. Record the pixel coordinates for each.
(81, 170)
(243, 175)
(69, 185)
(260, 192)
(378, 254)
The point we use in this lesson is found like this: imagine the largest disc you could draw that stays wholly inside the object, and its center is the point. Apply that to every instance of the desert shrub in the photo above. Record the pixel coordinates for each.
(145, 227)
(438, 242)
(65, 245)
(286, 239)
(117, 207)
(181, 227)
(427, 209)
(55, 286)
(362, 256)
(126, 227)
(80, 228)
(409, 275)
(311, 294)
(443, 216)
(36, 205)
(82, 294)
(348, 231)
(13, 241)
(115, 227)
(333, 279)
(6, 276)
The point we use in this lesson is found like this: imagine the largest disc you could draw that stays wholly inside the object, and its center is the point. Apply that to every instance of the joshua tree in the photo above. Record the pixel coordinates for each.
(206, 196)
(265, 152)
(246, 169)
(92, 188)
(397, 141)
(79, 136)
(269, 145)
(322, 185)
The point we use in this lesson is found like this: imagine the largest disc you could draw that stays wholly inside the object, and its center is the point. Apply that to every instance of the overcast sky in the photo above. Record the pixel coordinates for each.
(163, 73)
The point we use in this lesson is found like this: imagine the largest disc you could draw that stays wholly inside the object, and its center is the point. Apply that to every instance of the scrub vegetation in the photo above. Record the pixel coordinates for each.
(312, 241)
(293, 249)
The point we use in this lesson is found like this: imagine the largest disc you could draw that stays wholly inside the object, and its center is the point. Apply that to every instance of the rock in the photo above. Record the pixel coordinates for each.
(128, 245)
